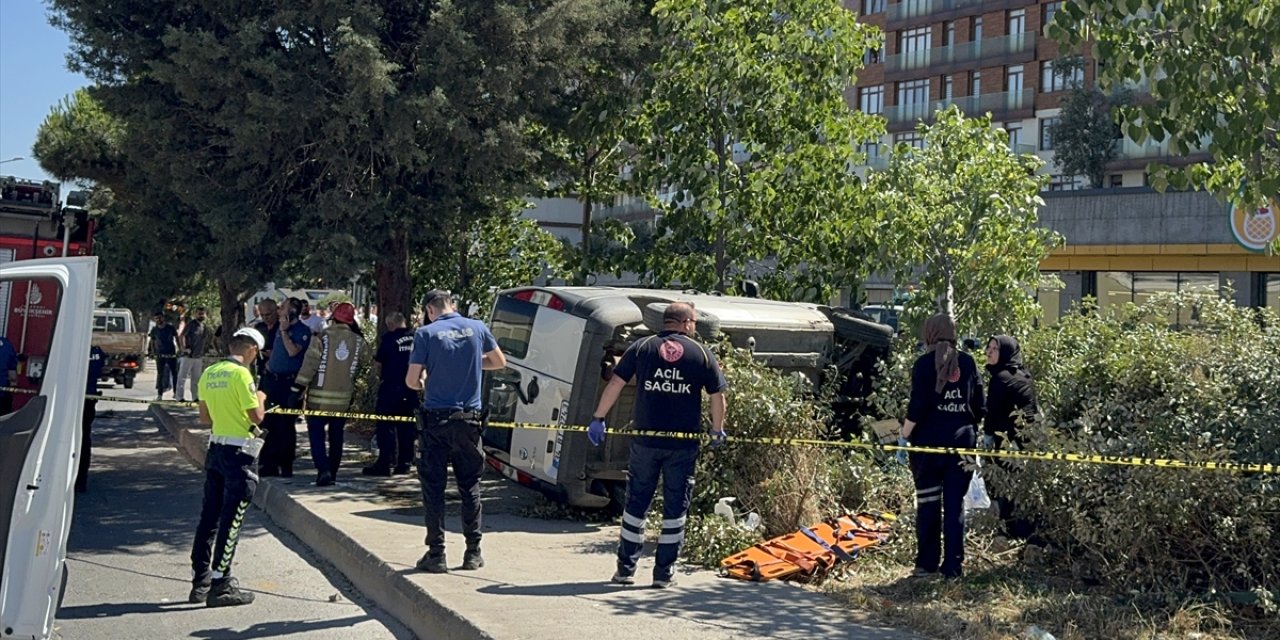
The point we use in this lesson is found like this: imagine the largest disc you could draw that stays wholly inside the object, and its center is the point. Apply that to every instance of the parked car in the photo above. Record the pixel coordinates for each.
(125, 346)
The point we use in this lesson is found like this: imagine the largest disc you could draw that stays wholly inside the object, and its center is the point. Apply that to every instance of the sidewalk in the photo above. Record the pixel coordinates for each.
(545, 579)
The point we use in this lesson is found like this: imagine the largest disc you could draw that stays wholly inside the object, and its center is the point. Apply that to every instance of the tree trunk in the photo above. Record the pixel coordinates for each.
(231, 301)
(721, 262)
(391, 276)
(584, 269)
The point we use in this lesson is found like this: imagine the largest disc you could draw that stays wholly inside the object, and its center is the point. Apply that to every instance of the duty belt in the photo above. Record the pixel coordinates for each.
(229, 440)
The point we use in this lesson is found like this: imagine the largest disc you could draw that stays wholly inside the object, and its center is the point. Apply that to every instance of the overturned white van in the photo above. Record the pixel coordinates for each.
(562, 343)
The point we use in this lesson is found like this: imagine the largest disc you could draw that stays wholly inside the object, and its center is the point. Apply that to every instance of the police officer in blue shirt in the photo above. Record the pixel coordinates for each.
(290, 349)
(452, 351)
(97, 360)
(671, 371)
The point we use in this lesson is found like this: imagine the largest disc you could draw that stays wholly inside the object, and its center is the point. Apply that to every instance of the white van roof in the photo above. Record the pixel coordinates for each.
(734, 312)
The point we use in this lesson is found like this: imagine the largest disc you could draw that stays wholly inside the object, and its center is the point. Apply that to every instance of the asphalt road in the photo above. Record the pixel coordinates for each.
(131, 542)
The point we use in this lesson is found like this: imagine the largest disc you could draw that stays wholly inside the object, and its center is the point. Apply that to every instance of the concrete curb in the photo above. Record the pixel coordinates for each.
(387, 586)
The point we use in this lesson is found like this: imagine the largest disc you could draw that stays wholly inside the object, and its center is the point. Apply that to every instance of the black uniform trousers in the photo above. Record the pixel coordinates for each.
(448, 441)
(941, 482)
(229, 483)
(395, 439)
(86, 444)
(280, 444)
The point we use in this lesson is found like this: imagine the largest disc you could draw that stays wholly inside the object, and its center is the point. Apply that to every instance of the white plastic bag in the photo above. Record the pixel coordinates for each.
(976, 497)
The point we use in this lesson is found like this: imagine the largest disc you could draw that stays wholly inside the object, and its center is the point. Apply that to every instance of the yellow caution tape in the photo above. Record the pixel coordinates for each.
(1087, 458)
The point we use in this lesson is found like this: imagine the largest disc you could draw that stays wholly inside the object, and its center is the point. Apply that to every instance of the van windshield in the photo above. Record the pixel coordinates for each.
(512, 324)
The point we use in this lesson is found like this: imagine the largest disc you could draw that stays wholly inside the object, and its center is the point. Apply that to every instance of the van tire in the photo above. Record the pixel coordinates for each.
(128, 382)
(851, 327)
(708, 325)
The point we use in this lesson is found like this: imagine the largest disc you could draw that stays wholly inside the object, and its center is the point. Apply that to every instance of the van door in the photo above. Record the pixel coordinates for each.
(39, 445)
(542, 346)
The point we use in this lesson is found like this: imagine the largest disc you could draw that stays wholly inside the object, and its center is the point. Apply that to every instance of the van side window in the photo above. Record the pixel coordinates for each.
(512, 324)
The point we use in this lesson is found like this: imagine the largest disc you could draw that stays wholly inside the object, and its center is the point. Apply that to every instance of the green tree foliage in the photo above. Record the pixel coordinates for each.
(959, 218)
(352, 128)
(1084, 138)
(747, 133)
(587, 129)
(1123, 382)
(1213, 75)
(490, 254)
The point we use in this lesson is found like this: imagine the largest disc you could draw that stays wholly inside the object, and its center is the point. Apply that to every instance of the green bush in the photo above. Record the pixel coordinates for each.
(1123, 382)
(788, 486)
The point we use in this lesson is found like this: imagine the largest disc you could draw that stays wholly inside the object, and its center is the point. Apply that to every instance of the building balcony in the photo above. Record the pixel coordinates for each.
(1010, 49)
(912, 12)
(1133, 155)
(999, 105)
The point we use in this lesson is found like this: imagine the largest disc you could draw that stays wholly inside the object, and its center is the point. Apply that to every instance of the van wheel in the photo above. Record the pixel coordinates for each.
(128, 382)
(618, 493)
(850, 327)
(708, 326)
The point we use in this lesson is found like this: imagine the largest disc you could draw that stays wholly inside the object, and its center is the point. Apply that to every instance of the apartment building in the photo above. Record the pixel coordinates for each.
(1124, 241)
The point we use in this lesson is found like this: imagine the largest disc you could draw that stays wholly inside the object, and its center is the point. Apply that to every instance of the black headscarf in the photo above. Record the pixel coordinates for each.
(1010, 355)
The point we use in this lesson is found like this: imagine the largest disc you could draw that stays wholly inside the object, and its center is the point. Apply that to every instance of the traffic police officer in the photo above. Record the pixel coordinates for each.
(230, 403)
(671, 371)
(395, 439)
(452, 351)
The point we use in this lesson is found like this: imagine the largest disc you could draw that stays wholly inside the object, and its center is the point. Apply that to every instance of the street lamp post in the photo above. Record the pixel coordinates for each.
(12, 159)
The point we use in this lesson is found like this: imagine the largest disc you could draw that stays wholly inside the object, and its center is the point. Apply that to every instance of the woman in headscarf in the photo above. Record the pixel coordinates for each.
(1011, 399)
(946, 406)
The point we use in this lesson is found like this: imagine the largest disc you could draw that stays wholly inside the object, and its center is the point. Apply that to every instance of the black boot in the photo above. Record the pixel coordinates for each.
(226, 592)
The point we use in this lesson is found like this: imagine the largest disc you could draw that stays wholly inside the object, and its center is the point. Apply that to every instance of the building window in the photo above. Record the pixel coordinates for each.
(1117, 180)
(871, 99)
(1017, 22)
(1271, 291)
(911, 138)
(1047, 11)
(1052, 81)
(913, 98)
(1013, 78)
(1121, 287)
(948, 33)
(948, 87)
(975, 82)
(915, 40)
(1014, 129)
(873, 56)
(977, 28)
(872, 6)
(1060, 182)
(1050, 299)
(1046, 133)
(871, 149)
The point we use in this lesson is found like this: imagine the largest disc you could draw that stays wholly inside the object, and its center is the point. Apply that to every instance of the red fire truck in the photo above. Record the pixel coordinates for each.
(34, 223)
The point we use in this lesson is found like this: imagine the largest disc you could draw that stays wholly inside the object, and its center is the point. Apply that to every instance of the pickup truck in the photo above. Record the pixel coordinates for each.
(114, 333)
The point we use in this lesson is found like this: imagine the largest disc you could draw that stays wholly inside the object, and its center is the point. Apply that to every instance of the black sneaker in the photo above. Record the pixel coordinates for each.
(622, 578)
(199, 593)
(472, 560)
(381, 472)
(402, 469)
(227, 593)
(432, 563)
(664, 583)
(324, 479)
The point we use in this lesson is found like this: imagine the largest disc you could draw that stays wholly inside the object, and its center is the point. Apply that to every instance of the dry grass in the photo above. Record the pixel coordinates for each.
(1009, 589)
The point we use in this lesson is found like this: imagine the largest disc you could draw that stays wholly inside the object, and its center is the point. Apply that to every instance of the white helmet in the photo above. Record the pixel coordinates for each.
(252, 334)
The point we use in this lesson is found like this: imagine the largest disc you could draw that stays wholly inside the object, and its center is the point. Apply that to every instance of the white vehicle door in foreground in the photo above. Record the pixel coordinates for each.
(40, 442)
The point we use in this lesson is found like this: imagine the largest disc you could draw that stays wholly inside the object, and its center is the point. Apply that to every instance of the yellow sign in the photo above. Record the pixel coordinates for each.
(1256, 230)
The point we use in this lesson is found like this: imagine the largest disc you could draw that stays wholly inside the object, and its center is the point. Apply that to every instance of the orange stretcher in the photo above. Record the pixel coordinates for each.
(811, 550)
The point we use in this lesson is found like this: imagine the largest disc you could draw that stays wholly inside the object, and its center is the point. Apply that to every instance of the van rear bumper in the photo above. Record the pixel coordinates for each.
(575, 495)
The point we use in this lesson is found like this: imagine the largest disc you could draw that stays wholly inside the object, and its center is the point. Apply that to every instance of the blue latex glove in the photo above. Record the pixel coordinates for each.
(717, 439)
(902, 455)
(595, 432)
